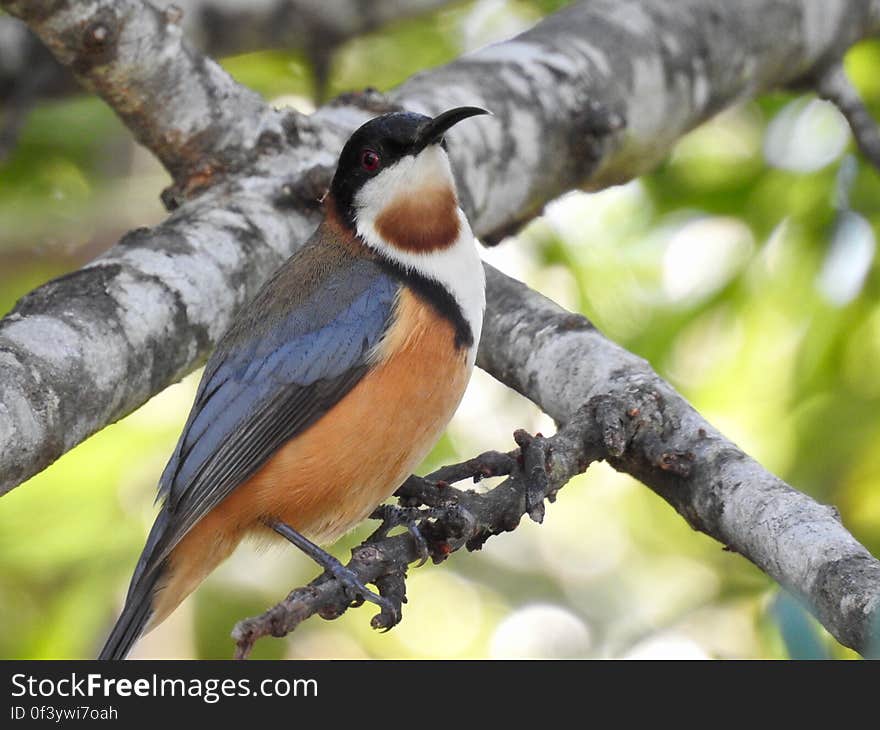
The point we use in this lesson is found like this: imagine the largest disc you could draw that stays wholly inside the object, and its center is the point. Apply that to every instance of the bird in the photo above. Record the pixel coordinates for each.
(333, 382)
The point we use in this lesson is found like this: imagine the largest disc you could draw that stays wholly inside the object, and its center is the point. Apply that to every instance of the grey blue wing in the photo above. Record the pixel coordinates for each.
(270, 378)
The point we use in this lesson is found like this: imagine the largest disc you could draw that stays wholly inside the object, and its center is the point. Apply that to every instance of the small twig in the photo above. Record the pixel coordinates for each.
(423, 490)
(834, 85)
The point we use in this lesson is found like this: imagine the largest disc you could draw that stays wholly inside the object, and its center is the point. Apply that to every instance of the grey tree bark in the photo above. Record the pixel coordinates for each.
(592, 96)
(221, 28)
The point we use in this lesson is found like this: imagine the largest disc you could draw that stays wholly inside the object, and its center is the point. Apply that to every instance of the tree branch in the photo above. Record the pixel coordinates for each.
(591, 96)
(136, 58)
(650, 431)
(318, 28)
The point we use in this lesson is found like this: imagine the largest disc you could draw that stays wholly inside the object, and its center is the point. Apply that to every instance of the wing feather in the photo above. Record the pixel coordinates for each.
(272, 375)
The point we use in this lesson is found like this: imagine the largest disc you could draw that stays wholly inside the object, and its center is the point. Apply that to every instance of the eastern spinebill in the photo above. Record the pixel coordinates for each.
(334, 382)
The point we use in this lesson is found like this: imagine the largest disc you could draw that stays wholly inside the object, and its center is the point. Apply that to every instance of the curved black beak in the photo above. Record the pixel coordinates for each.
(433, 131)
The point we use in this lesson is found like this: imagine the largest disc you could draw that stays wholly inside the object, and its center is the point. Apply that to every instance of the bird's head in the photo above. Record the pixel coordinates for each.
(394, 184)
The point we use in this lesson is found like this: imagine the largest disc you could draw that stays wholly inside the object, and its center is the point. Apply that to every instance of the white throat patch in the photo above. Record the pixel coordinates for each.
(458, 267)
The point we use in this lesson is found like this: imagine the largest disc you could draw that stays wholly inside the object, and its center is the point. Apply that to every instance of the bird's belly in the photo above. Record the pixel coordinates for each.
(330, 477)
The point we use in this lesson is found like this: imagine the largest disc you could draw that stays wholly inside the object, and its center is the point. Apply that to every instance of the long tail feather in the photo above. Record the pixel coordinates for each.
(141, 593)
(131, 622)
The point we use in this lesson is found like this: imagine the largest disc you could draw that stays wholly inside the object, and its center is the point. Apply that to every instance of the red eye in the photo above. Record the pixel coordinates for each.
(370, 160)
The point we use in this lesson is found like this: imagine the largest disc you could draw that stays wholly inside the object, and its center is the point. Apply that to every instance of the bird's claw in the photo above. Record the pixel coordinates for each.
(356, 589)
(393, 516)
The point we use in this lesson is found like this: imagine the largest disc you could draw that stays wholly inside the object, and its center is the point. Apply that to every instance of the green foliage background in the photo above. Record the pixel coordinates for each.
(743, 269)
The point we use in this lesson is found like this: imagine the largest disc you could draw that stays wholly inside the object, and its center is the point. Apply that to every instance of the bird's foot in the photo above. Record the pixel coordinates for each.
(393, 515)
(355, 588)
(350, 581)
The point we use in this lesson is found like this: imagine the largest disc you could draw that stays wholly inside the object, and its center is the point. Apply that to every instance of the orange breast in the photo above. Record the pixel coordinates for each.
(330, 477)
